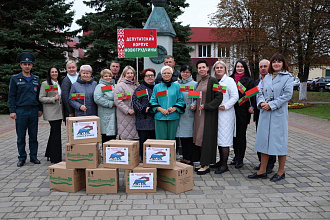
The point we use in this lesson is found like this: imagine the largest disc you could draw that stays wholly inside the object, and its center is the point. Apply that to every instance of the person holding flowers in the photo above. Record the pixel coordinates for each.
(50, 97)
(123, 92)
(104, 98)
(167, 103)
(145, 123)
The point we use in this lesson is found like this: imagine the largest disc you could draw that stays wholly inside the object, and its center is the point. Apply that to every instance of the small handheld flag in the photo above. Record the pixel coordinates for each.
(242, 100)
(142, 93)
(106, 88)
(51, 88)
(252, 92)
(185, 88)
(240, 87)
(161, 94)
(125, 95)
(195, 94)
(77, 96)
(219, 88)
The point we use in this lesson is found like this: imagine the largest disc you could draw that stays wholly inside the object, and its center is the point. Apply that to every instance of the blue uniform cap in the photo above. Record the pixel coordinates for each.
(25, 57)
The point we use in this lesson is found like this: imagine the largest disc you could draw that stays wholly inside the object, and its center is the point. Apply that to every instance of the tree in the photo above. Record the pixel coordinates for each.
(38, 26)
(101, 40)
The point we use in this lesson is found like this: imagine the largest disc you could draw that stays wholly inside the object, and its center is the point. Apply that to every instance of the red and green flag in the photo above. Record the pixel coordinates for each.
(195, 94)
(219, 88)
(161, 94)
(242, 100)
(252, 92)
(142, 93)
(240, 87)
(106, 88)
(77, 96)
(51, 88)
(125, 95)
(186, 88)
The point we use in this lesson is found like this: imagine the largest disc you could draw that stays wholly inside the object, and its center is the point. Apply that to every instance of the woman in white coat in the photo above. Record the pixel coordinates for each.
(272, 134)
(226, 114)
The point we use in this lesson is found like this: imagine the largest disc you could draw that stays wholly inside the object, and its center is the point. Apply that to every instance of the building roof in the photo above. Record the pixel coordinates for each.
(209, 34)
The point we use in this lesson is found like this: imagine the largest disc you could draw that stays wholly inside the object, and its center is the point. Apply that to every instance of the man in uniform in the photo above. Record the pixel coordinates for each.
(115, 68)
(169, 61)
(25, 108)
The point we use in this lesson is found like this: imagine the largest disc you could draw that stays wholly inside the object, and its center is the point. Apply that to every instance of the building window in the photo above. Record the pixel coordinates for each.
(223, 51)
(204, 50)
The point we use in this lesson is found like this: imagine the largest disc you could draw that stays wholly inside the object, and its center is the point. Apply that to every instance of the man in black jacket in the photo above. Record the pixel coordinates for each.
(169, 61)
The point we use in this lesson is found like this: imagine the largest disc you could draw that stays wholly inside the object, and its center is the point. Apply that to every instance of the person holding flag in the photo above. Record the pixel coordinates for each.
(185, 129)
(82, 93)
(104, 98)
(50, 96)
(167, 103)
(243, 110)
(226, 114)
(123, 93)
(145, 122)
(206, 120)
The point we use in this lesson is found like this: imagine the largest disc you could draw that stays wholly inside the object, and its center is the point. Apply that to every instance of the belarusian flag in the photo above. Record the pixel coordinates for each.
(142, 93)
(161, 94)
(51, 88)
(240, 87)
(125, 95)
(185, 88)
(77, 96)
(242, 100)
(252, 92)
(219, 88)
(195, 94)
(106, 88)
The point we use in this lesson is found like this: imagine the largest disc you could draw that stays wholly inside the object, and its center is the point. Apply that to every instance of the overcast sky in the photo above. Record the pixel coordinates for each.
(196, 14)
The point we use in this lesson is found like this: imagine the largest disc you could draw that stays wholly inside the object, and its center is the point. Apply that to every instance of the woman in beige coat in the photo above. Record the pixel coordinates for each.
(50, 96)
(123, 100)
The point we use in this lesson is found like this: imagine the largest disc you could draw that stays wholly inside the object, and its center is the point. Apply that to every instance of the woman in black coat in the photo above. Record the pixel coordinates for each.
(243, 111)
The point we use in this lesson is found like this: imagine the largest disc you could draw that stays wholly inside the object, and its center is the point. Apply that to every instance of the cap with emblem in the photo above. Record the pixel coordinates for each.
(25, 57)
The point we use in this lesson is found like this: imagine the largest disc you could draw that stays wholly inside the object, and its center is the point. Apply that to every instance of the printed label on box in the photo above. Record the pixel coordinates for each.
(60, 181)
(141, 180)
(116, 155)
(84, 130)
(158, 155)
(101, 182)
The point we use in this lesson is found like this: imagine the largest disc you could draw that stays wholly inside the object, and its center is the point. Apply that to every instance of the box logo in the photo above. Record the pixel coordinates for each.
(166, 179)
(116, 155)
(79, 157)
(141, 180)
(84, 130)
(60, 181)
(158, 155)
(101, 182)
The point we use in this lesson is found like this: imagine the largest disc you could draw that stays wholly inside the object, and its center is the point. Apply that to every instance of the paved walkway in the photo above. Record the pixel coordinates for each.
(304, 194)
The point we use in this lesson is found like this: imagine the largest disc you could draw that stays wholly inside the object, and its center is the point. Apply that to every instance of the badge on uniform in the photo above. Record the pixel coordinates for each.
(35, 89)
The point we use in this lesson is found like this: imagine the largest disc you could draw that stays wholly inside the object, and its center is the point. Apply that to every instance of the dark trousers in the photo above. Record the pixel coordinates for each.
(106, 138)
(54, 145)
(27, 119)
(239, 142)
(187, 147)
(272, 158)
(144, 135)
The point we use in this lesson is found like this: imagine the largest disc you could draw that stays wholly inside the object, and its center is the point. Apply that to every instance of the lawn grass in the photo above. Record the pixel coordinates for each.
(319, 111)
(312, 97)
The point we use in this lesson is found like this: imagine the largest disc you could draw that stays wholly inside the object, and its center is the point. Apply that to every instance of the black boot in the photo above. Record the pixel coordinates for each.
(224, 154)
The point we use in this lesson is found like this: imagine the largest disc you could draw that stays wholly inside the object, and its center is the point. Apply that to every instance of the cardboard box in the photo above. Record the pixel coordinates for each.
(66, 180)
(159, 153)
(82, 130)
(141, 180)
(82, 156)
(121, 154)
(178, 180)
(101, 180)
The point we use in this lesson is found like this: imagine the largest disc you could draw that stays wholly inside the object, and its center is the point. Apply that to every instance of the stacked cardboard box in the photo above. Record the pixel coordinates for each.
(101, 180)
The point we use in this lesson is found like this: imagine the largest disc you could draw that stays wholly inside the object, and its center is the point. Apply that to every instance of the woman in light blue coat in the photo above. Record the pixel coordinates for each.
(272, 133)
(103, 97)
(186, 123)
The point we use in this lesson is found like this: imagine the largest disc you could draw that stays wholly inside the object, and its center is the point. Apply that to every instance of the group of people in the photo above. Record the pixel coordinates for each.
(202, 116)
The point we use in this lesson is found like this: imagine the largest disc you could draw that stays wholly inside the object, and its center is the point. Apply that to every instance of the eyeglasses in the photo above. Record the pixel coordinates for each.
(150, 76)
(186, 72)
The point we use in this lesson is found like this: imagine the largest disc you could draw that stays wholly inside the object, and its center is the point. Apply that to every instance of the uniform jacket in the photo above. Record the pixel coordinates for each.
(106, 110)
(23, 93)
(186, 122)
(52, 110)
(174, 99)
(126, 122)
(144, 121)
(227, 118)
(272, 132)
(88, 88)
